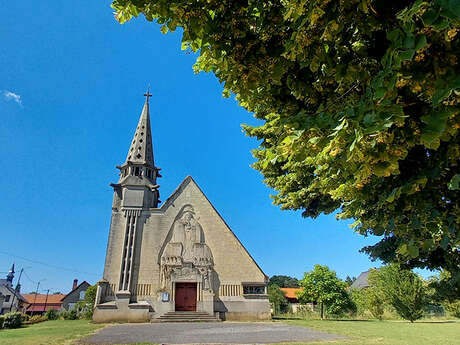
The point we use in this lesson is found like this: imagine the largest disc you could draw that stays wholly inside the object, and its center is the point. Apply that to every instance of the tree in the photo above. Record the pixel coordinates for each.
(446, 291)
(402, 288)
(277, 299)
(375, 301)
(86, 306)
(350, 280)
(322, 285)
(284, 281)
(360, 103)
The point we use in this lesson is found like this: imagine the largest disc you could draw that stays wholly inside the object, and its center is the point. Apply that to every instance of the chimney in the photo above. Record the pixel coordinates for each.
(75, 284)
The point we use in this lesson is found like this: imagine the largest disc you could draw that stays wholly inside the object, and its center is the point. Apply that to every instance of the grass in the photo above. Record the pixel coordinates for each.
(48, 333)
(369, 332)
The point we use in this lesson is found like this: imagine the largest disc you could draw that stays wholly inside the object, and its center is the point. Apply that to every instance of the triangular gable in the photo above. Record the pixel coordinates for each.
(84, 282)
(170, 201)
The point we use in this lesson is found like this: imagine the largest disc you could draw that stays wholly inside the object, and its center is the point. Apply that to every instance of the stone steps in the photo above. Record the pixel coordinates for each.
(187, 316)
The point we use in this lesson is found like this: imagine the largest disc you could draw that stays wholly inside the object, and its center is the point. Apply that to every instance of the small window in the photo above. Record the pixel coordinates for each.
(136, 171)
(253, 289)
(7, 298)
(82, 295)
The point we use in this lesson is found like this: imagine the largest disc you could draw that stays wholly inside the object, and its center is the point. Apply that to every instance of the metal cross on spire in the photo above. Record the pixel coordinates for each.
(148, 94)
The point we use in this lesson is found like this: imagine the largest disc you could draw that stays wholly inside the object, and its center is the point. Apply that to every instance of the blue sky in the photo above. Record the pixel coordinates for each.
(71, 85)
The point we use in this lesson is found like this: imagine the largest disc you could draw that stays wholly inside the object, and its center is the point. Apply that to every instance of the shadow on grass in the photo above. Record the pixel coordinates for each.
(435, 321)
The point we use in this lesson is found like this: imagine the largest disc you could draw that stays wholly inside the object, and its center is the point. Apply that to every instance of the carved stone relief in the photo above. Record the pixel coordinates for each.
(186, 256)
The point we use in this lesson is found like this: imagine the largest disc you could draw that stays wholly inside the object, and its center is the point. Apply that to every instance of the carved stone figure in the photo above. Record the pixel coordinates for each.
(186, 251)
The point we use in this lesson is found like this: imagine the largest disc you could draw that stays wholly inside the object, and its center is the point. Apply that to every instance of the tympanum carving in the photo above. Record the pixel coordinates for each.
(186, 255)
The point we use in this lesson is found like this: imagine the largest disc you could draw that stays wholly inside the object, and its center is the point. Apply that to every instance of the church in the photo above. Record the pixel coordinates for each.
(172, 261)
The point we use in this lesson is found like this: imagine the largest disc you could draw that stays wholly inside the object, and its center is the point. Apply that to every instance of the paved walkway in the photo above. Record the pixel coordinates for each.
(206, 333)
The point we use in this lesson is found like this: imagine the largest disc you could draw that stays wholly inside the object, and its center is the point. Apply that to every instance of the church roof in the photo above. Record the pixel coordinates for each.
(361, 282)
(141, 148)
(180, 188)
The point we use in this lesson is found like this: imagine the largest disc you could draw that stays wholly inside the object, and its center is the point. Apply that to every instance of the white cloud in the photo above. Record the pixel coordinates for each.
(12, 96)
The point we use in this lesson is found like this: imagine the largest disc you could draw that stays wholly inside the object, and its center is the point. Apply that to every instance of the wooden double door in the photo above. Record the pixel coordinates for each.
(185, 297)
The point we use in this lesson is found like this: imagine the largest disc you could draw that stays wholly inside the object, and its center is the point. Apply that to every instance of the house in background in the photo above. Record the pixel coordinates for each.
(10, 298)
(38, 304)
(361, 282)
(77, 294)
(291, 297)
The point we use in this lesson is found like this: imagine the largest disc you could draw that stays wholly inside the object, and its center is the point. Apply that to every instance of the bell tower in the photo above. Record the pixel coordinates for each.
(135, 193)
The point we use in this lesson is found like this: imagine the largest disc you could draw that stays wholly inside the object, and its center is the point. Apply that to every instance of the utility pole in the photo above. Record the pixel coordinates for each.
(15, 290)
(36, 291)
(46, 300)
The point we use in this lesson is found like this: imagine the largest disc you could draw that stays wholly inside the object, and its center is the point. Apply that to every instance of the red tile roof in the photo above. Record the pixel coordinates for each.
(42, 307)
(41, 298)
(290, 292)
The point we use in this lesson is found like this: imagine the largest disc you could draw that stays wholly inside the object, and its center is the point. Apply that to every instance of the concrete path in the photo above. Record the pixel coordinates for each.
(206, 333)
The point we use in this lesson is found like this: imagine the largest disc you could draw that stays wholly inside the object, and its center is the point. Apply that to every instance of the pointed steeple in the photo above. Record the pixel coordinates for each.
(139, 170)
(141, 149)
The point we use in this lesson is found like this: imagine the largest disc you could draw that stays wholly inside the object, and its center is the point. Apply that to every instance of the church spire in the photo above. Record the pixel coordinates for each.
(141, 149)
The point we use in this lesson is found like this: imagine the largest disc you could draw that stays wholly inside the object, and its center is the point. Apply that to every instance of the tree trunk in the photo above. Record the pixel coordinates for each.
(322, 310)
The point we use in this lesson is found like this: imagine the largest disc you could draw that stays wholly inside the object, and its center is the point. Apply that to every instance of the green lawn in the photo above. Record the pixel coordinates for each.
(48, 333)
(362, 332)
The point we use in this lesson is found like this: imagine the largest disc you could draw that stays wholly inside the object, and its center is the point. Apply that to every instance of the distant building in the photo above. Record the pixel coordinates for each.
(361, 282)
(293, 300)
(77, 294)
(40, 303)
(10, 298)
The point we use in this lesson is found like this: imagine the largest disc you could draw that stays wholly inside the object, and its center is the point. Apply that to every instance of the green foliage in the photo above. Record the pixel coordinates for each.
(12, 320)
(86, 306)
(2, 320)
(277, 299)
(445, 289)
(369, 299)
(322, 285)
(284, 281)
(360, 104)
(350, 280)
(71, 314)
(375, 301)
(358, 298)
(52, 314)
(402, 288)
(37, 319)
(453, 308)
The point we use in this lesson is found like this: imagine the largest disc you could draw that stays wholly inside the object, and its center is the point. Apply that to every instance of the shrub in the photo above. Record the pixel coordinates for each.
(69, 314)
(453, 308)
(402, 288)
(52, 314)
(25, 318)
(13, 320)
(2, 319)
(36, 319)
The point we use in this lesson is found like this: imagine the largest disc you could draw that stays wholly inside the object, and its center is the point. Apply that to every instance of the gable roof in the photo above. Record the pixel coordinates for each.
(32, 298)
(290, 292)
(361, 282)
(177, 192)
(78, 287)
(15, 293)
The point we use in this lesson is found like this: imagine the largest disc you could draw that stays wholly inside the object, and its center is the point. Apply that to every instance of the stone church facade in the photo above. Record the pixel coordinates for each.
(180, 257)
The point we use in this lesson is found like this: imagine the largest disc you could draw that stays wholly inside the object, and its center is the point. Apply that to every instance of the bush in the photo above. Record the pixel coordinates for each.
(52, 314)
(13, 320)
(36, 319)
(69, 314)
(453, 308)
(2, 319)
(25, 318)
